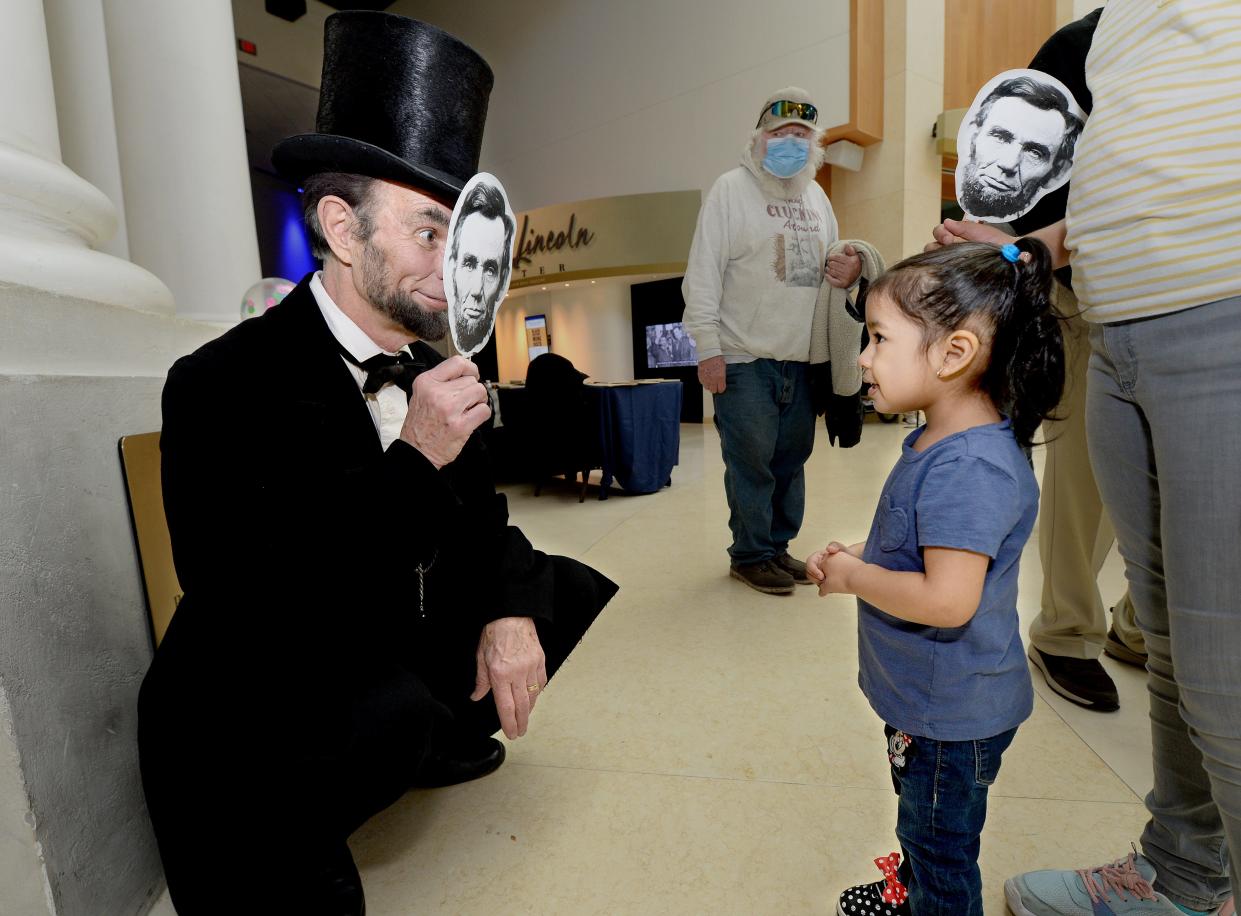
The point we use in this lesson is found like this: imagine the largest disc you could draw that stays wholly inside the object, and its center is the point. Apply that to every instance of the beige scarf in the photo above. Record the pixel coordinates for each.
(835, 335)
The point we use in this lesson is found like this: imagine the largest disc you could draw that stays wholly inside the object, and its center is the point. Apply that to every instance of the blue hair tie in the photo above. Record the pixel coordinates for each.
(1011, 253)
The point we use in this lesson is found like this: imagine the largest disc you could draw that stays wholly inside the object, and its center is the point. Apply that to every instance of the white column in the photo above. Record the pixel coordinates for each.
(50, 219)
(182, 150)
(76, 372)
(84, 114)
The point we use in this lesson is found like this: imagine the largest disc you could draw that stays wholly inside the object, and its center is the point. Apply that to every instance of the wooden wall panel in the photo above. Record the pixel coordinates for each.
(865, 76)
(948, 178)
(984, 37)
(824, 178)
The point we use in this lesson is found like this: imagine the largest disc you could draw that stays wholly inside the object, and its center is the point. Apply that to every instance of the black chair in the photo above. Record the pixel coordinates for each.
(564, 430)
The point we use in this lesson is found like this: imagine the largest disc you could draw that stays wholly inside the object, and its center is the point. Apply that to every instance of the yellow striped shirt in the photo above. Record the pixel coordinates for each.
(1154, 213)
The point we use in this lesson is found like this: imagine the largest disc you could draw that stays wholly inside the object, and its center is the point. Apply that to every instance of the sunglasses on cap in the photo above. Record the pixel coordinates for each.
(803, 111)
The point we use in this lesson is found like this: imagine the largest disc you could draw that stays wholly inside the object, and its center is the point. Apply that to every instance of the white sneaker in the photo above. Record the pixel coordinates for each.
(1121, 888)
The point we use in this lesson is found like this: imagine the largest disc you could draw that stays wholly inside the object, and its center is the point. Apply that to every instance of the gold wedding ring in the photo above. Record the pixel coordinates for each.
(533, 688)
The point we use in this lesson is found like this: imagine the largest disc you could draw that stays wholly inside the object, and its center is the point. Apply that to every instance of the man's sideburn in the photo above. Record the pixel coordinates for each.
(401, 307)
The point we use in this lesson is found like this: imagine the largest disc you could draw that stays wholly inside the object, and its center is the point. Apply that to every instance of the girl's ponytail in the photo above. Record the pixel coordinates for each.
(1035, 367)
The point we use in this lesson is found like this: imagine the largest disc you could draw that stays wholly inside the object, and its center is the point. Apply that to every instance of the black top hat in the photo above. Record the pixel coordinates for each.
(400, 100)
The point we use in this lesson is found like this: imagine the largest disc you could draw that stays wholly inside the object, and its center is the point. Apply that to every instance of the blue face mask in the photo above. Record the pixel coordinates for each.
(786, 156)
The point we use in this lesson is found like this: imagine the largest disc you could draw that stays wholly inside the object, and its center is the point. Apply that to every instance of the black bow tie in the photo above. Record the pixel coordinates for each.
(400, 370)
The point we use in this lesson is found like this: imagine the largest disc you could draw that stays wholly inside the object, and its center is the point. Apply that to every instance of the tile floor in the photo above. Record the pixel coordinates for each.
(707, 750)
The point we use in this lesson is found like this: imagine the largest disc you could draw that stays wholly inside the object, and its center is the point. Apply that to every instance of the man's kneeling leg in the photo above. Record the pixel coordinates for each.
(579, 593)
(252, 807)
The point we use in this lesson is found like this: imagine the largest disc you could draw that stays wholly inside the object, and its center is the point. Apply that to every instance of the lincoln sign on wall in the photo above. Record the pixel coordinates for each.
(605, 237)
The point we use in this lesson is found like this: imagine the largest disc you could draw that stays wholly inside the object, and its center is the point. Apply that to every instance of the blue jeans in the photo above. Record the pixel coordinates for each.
(942, 788)
(766, 424)
(1163, 413)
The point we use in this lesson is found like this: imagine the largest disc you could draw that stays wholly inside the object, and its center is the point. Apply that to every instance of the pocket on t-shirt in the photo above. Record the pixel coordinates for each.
(893, 525)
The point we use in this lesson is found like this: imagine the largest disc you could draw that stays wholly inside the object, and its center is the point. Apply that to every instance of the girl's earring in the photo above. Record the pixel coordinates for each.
(940, 373)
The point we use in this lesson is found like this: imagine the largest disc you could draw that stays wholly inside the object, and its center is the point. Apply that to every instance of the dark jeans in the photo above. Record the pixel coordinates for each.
(766, 423)
(942, 786)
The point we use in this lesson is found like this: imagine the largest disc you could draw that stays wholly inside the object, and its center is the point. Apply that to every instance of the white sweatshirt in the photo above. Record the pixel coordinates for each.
(755, 267)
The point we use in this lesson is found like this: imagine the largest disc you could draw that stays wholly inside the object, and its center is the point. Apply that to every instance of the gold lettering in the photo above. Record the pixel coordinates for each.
(531, 243)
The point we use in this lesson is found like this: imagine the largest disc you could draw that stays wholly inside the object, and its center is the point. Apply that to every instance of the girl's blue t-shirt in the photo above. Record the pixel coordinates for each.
(973, 491)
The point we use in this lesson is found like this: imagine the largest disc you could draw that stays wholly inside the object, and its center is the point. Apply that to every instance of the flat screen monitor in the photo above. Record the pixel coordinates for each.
(536, 335)
(669, 345)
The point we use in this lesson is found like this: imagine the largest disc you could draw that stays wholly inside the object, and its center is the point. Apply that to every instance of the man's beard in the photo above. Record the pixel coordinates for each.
(979, 200)
(398, 305)
(471, 333)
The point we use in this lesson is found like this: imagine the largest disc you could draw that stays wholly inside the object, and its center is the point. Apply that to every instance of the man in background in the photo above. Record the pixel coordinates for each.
(1074, 533)
(755, 268)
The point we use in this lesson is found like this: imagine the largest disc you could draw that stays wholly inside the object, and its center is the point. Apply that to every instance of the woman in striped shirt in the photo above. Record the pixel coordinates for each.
(1152, 230)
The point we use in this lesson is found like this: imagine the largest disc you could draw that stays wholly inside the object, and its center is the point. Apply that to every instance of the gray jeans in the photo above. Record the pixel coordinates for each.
(1164, 418)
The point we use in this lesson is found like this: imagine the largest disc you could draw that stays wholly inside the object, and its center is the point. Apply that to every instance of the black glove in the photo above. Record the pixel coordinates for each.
(844, 420)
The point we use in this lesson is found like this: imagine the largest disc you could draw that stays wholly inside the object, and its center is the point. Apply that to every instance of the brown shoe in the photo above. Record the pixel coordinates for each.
(1114, 648)
(795, 568)
(765, 577)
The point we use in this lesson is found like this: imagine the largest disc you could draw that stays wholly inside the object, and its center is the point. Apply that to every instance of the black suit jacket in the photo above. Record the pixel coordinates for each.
(296, 536)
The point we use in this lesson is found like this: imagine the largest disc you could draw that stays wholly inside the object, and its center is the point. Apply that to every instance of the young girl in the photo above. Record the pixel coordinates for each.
(967, 335)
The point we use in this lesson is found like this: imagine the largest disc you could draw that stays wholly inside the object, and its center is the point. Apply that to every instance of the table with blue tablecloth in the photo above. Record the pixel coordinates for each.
(639, 430)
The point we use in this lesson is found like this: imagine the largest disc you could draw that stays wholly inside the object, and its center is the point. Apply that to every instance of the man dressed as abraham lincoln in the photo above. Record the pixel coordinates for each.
(359, 617)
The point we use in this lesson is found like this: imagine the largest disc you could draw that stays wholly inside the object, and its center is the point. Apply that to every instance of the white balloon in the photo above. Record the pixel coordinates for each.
(264, 294)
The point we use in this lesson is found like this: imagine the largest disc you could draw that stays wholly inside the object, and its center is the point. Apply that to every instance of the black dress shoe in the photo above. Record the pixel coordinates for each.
(337, 888)
(1079, 680)
(459, 762)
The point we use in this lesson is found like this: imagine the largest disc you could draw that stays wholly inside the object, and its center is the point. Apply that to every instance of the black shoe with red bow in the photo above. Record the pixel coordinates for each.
(882, 898)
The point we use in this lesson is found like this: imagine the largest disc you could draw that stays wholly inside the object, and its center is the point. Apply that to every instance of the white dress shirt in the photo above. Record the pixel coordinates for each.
(388, 406)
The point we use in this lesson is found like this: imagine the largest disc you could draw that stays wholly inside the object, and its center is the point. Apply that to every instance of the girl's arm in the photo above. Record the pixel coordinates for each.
(814, 562)
(947, 594)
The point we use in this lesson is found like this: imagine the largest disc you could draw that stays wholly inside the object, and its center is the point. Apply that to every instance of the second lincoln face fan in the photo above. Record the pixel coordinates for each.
(1016, 144)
